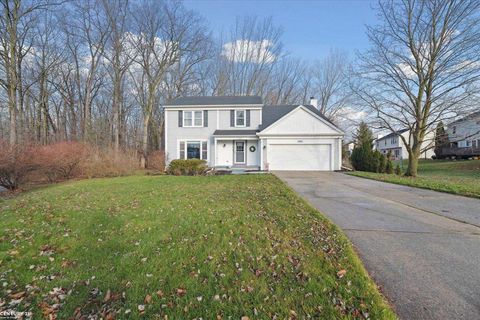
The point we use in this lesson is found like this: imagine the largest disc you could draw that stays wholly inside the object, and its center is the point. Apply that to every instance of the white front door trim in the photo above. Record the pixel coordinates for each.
(240, 142)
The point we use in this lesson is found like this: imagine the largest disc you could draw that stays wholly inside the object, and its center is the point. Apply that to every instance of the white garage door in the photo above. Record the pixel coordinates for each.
(299, 157)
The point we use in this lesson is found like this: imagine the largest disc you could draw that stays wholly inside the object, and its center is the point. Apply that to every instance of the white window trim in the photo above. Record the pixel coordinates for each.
(193, 118)
(244, 118)
(193, 140)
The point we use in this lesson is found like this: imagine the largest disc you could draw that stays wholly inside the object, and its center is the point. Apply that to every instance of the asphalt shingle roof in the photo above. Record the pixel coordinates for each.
(390, 135)
(468, 117)
(270, 114)
(235, 132)
(215, 100)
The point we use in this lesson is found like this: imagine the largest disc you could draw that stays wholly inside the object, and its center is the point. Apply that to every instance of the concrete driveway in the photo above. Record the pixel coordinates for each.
(421, 247)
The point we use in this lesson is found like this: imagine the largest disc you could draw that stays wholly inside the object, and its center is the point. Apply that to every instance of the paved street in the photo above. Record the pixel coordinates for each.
(421, 247)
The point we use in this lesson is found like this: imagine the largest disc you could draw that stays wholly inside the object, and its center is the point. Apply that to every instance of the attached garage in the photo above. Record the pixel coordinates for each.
(300, 156)
(299, 139)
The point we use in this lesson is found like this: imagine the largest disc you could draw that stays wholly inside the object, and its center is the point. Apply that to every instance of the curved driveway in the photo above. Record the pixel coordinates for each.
(421, 247)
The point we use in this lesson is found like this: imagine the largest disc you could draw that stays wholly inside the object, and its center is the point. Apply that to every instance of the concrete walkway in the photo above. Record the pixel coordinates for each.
(421, 247)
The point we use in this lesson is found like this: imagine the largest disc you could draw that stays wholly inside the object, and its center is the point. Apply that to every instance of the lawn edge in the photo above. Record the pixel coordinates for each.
(352, 249)
(468, 195)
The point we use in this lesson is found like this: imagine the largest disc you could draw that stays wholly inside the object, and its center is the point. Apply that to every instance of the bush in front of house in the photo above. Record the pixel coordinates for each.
(156, 161)
(189, 167)
(363, 157)
(398, 171)
(389, 163)
(382, 165)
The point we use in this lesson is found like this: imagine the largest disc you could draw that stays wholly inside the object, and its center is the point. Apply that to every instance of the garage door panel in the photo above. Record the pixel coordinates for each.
(299, 157)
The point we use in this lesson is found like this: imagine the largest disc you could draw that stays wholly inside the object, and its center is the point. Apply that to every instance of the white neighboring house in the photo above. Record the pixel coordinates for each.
(392, 142)
(241, 132)
(349, 146)
(465, 132)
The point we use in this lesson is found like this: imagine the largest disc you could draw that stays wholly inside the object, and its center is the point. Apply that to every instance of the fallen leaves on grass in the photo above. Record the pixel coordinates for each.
(148, 299)
(341, 273)
(181, 292)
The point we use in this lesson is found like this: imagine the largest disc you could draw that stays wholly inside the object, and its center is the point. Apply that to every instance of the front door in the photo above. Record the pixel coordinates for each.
(240, 152)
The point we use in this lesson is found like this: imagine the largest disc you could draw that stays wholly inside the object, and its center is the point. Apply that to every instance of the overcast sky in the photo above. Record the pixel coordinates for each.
(311, 28)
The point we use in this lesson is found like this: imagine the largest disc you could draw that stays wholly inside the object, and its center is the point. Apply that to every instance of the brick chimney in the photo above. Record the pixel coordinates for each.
(314, 102)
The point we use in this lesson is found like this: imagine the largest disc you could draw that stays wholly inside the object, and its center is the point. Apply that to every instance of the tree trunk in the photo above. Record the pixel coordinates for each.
(413, 161)
(116, 114)
(13, 125)
(143, 157)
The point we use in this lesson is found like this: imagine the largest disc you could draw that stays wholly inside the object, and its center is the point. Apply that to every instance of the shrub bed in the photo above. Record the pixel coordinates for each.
(190, 167)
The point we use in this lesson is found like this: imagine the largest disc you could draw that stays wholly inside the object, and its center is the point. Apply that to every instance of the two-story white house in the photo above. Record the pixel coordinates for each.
(465, 132)
(242, 132)
(393, 142)
(464, 137)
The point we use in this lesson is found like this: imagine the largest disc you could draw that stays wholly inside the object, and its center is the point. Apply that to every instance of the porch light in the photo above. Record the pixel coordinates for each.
(224, 145)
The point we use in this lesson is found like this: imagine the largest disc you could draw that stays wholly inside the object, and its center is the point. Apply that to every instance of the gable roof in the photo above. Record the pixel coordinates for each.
(272, 113)
(215, 101)
(468, 117)
(393, 134)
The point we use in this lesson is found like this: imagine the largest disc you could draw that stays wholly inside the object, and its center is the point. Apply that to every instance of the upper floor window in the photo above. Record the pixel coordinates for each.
(240, 118)
(393, 140)
(454, 129)
(193, 118)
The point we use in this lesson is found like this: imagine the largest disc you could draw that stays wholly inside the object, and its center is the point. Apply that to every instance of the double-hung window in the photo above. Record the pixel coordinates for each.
(240, 118)
(193, 118)
(193, 150)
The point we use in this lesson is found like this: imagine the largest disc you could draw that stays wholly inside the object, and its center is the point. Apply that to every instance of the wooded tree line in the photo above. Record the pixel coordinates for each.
(99, 71)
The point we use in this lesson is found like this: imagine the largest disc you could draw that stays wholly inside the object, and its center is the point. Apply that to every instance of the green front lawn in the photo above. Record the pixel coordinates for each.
(186, 247)
(459, 177)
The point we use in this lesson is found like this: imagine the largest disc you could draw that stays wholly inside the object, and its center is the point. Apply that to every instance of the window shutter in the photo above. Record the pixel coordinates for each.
(232, 118)
(205, 118)
(204, 150)
(182, 150)
(180, 118)
(248, 118)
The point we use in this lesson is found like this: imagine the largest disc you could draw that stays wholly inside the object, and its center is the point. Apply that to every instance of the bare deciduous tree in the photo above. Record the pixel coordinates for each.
(16, 21)
(165, 31)
(330, 83)
(119, 58)
(87, 31)
(423, 66)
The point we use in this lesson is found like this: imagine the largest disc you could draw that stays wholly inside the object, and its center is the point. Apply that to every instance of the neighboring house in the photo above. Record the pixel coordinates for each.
(242, 132)
(348, 147)
(394, 143)
(464, 137)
